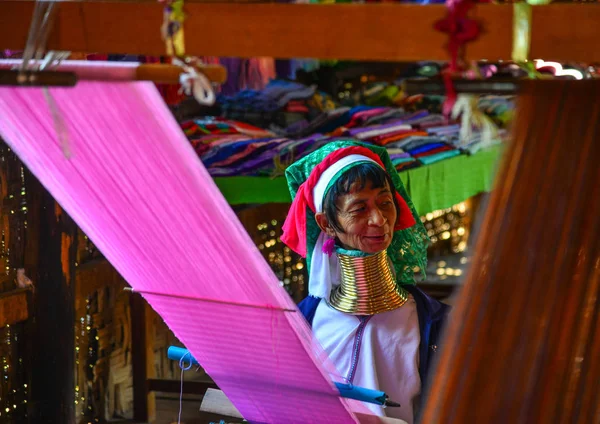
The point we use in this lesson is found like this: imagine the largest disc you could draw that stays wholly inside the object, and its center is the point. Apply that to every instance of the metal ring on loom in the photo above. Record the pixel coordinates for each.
(200, 299)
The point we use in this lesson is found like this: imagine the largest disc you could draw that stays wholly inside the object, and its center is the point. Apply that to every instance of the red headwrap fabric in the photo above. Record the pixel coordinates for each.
(294, 227)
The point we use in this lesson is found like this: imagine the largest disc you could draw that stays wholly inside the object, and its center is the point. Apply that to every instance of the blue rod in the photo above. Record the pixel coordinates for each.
(348, 391)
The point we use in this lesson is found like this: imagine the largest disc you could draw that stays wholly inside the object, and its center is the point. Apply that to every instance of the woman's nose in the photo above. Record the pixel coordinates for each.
(376, 217)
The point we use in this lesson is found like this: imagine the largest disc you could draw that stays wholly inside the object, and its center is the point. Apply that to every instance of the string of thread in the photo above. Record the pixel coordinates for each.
(183, 369)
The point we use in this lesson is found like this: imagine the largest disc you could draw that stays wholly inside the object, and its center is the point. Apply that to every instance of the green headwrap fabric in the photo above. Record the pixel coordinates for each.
(408, 249)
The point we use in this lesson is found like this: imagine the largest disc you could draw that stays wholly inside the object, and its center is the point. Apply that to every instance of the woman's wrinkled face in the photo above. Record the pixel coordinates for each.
(367, 216)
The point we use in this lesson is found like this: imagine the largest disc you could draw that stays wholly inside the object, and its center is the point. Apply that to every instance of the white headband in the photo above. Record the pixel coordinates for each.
(329, 173)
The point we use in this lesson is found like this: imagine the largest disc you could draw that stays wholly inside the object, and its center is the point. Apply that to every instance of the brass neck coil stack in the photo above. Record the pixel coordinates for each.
(368, 286)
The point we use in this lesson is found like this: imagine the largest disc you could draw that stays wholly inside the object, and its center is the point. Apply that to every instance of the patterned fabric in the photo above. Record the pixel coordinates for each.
(408, 249)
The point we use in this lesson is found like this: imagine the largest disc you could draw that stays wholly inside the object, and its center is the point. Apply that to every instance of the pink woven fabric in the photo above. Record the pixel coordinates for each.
(137, 189)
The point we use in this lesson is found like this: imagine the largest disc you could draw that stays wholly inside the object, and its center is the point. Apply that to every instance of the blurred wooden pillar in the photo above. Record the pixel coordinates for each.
(50, 261)
(142, 353)
(524, 345)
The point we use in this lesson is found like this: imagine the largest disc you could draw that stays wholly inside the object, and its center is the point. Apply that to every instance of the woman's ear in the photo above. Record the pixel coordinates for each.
(323, 224)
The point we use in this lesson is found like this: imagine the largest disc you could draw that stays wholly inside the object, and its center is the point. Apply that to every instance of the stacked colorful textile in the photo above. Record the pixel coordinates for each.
(261, 132)
(207, 132)
(413, 140)
(229, 148)
(277, 106)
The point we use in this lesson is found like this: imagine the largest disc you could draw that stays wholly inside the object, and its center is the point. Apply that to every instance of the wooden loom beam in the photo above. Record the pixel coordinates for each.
(385, 32)
(68, 72)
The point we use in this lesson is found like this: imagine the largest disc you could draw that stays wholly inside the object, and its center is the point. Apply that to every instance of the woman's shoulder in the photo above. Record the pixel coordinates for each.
(308, 307)
(428, 307)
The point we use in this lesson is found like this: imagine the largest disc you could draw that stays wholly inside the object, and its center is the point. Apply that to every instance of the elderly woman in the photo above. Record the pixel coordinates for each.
(353, 221)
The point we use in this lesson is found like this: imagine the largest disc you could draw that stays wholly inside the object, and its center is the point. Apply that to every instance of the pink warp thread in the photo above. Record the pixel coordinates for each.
(137, 189)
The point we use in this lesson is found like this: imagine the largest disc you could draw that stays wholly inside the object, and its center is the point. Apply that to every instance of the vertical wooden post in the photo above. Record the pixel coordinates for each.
(142, 343)
(51, 264)
(524, 341)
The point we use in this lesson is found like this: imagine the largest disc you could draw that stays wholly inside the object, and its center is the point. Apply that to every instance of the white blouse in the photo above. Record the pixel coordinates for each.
(378, 352)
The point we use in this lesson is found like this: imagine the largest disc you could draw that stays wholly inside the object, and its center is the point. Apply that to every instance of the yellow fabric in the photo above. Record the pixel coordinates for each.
(521, 32)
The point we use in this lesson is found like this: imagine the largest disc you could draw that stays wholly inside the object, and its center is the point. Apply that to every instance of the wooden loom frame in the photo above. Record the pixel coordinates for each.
(398, 32)
(384, 32)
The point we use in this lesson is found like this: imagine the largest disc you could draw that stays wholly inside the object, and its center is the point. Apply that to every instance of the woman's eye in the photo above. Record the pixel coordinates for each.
(357, 210)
